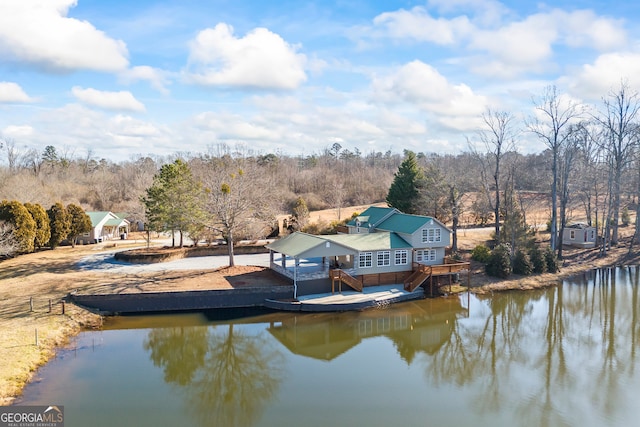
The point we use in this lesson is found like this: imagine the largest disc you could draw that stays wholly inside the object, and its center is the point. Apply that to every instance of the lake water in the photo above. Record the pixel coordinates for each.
(565, 356)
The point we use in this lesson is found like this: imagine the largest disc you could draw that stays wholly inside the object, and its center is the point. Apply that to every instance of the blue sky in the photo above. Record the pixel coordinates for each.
(121, 79)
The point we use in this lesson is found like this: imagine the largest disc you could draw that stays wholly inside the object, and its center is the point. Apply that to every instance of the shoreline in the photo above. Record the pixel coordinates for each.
(56, 330)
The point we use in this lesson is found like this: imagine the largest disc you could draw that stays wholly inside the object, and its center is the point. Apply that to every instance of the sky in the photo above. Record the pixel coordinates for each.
(122, 79)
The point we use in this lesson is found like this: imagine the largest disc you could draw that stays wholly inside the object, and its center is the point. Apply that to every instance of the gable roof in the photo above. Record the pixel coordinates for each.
(299, 244)
(408, 224)
(372, 216)
(105, 218)
(370, 241)
(391, 219)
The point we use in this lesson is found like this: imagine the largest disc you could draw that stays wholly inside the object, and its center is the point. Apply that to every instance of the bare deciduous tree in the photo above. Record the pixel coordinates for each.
(554, 113)
(498, 138)
(619, 121)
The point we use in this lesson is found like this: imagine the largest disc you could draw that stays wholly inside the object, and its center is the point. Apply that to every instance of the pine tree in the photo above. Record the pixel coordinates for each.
(174, 202)
(60, 224)
(24, 227)
(404, 192)
(80, 223)
(43, 230)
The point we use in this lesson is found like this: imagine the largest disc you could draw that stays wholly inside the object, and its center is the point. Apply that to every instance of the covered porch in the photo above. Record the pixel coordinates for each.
(304, 257)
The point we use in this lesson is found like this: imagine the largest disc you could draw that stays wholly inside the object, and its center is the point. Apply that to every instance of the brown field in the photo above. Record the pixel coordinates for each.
(50, 275)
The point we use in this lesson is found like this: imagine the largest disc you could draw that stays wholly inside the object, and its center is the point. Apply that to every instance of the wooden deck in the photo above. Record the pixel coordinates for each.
(421, 273)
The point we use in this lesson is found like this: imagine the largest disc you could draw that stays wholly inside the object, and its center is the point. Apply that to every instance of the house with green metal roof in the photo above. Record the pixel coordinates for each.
(381, 246)
(105, 226)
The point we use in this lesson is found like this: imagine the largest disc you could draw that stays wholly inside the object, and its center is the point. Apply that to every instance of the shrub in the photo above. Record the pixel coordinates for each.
(499, 264)
(481, 253)
(24, 226)
(551, 260)
(538, 260)
(522, 264)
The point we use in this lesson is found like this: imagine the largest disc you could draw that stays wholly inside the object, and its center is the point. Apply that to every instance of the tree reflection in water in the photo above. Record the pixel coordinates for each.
(227, 376)
(589, 330)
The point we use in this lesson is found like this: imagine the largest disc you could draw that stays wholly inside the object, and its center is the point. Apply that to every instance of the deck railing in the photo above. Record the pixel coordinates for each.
(342, 276)
(417, 278)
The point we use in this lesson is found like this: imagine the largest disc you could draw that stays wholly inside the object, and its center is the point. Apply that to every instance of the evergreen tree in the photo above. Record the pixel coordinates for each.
(551, 260)
(174, 202)
(24, 227)
(43, 230)
(522, 264)
(59, 223)
(538, 261)
(80, 223)
(404, 192)
(499, 264)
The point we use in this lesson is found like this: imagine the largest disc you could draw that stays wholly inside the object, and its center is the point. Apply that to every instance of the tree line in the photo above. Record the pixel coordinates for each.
(589, 168)
(28, 227)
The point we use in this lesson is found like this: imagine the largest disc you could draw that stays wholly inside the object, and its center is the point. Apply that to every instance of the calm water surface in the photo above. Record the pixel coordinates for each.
(566, 356)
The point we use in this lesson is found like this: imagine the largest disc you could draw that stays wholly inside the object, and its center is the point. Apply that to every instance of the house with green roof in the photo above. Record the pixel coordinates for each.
(105, 226)
(382, 246)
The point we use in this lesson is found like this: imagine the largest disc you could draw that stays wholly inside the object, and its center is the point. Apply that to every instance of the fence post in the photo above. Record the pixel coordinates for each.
(62, 302)
(36, 337)
(30, 303)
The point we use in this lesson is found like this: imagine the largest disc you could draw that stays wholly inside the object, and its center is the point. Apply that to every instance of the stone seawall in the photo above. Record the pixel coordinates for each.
(151, 302)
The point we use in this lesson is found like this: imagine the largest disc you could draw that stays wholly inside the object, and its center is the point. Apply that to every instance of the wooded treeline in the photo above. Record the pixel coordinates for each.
(589, 168)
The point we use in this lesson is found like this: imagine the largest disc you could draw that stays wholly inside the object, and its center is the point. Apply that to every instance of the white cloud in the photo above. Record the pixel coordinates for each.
(122, 100)
(158, 79)
(500, 47)
(17, 132)
(418, 24)
(39, 33)
(12, 92)
(583, 28)
(420, 84)
(260, 59)
(236, 127)
(593, 81)
(115, 137)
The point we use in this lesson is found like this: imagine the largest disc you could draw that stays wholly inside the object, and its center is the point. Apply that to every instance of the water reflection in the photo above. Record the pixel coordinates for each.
(227, 376)
(412, 327)
(564, 356)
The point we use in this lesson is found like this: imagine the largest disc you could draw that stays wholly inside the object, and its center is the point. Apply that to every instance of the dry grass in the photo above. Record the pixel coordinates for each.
(52, 275)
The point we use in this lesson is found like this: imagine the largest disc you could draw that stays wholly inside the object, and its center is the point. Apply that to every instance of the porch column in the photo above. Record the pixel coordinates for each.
(295, 277)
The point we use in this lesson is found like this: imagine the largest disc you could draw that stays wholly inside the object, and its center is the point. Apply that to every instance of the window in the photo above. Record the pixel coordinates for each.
(430, 235)
(402, 257)
(592, 234)
(365, 259)
(384, 258)
(425, 255)
(572, 234)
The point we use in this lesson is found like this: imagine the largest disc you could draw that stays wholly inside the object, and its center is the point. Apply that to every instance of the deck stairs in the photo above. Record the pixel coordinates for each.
(417, 278)
(343, 277)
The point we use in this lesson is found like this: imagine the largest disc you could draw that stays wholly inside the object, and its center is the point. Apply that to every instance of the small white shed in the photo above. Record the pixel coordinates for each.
(579, 235)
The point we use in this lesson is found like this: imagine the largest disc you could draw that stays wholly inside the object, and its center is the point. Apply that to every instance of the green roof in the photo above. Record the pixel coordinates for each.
(372, 215)
(295, 244)
(298, 244)
(369, 241)
(96, 217)
(405, 223)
